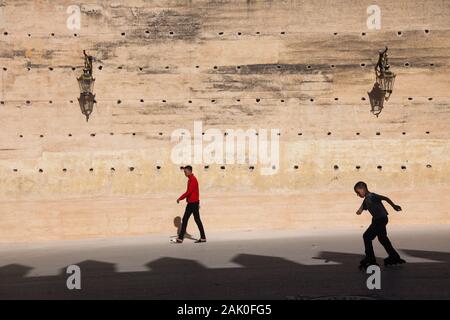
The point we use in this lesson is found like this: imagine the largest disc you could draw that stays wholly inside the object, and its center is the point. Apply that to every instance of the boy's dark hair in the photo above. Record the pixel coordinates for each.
(188, 167)
(360, 185)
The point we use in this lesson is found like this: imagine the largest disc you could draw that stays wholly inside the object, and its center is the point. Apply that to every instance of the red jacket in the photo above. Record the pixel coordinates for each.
(192, 193)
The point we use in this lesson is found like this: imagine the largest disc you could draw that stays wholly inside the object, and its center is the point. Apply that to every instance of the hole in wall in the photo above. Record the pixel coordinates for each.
(213, 100)
(40, 170)
(171, 32)
(399, 33)
(403, 167)
(363, 34)
(73, 68)
(282, 100)
(403, 133)
(123, 34)
(357, 133)
(428, 132)
(299, 133)
(142, 100)
(75, 34)
(312, 100)
(428, 166)
(427, 31)
(336, 99)
(206, 167)
(15, 170)
(431, 64)
(379, 167)
(309, 67)
(64, 170)
(119, 101)
(131, 168)
(92, 134)
(160, 133)
(258, 100)
(282, 32)
(20, 136)
(52, 34)
(134, 133)
(406, 64)
(363, 99)
(220, 33)
(358, 167)
(91, 169)
(335, 33)
(5, 69)
(336, 167)
(251, 168)
(362, 64)
(41, 135)
(111, 133)
(215, 67)
(378, 133)
(164, 101)
(239, 33)
(50, 101)
(222, 167)
(100, 67)
(329, 133)
(296, 167)
(69, 134)
(430, 99)
(5, 33)
(28, 102)
(113, 169)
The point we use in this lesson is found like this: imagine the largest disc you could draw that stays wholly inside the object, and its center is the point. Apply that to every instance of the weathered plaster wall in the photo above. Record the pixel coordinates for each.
(300, 66)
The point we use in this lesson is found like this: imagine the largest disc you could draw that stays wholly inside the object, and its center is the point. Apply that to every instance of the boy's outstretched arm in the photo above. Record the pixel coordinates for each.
(393, 205)
(360, 210)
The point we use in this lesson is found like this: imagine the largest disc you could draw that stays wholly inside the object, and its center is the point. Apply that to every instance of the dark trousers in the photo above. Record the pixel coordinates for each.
(192, 208)
(378, 229)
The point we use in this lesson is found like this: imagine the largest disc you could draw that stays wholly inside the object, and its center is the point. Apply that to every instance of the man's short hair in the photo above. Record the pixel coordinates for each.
(188, 168)
(360, 185)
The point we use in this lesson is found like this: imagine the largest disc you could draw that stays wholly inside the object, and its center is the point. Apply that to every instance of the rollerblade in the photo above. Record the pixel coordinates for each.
(364, 263)
(390, 261)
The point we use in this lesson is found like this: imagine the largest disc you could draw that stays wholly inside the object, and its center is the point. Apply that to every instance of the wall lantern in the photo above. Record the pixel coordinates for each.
(384, 77)
(86, 84)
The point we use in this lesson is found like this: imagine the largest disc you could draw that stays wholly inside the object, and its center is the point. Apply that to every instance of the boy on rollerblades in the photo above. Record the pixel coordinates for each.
(373, 203)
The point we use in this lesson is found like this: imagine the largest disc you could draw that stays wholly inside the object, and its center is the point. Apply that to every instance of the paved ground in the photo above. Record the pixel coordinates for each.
(238, 265)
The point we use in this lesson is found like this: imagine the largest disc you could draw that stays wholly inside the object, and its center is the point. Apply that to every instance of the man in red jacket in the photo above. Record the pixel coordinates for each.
(193, 205)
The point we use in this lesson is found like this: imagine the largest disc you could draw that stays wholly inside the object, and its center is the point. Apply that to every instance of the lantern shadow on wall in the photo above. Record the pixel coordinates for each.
(384, 83)
(86, 84)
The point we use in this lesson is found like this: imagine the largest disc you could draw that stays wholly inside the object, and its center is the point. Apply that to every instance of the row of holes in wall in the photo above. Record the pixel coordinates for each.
(277, 67)
(329, 133)
(221, 33)
(251, 168)
(257, 100)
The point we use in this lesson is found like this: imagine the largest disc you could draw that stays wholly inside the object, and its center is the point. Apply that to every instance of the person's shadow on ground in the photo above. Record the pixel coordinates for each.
(177, 224)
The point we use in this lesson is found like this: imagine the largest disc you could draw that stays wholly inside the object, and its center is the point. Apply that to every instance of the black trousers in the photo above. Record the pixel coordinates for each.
(192, 208)
(378, 229)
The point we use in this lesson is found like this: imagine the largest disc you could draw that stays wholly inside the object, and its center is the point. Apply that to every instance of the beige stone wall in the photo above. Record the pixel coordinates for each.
(291, 65)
